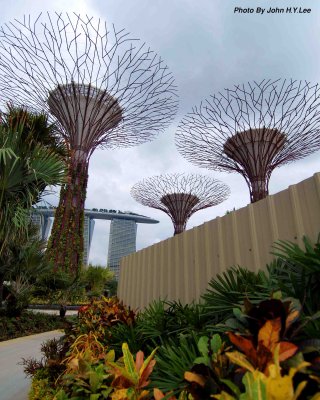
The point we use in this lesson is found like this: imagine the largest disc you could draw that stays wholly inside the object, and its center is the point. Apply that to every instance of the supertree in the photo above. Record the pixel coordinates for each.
(252, 129)
(100, 87)
(180, 195)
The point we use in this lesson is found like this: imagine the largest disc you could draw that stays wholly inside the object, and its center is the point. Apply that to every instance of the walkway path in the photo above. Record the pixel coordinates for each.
(13, 383)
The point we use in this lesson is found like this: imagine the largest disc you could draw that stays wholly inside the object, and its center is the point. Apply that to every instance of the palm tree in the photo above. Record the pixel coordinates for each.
(27, 166)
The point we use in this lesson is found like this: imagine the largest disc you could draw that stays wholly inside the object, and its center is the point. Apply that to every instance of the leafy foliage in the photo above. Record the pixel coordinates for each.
(27, 323)
(229, 290)
(173, 359)
(27, 166)
(264, 354)
(271, 385)
(95, 278)
(101, 314)
(126, 378)
(298, 276)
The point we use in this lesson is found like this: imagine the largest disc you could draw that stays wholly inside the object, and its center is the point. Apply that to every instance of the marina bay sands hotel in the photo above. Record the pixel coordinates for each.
(122, 237)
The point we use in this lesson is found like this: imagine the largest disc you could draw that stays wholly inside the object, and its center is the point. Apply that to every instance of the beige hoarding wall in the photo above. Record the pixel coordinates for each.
(180, 268)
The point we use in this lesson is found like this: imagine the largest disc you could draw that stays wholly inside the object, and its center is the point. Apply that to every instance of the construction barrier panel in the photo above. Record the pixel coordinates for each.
(179, 268)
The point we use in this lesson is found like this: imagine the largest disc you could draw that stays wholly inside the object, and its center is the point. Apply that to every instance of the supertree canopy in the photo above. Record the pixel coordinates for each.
(252, 129)
(180, 195)
(101, 88)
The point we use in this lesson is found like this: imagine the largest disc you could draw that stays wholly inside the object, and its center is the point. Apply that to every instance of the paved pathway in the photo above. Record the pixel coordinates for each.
(13, 383)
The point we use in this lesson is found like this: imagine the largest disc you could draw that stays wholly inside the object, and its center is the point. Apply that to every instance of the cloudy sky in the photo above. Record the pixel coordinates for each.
(208, 48)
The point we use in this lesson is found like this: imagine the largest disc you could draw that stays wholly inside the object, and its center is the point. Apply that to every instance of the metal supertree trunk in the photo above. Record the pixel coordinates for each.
(180, 195)
(252, 129)
(100, 87)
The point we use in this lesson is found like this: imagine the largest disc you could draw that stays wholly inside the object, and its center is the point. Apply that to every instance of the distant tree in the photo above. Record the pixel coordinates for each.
(95, 277)
(111, 288)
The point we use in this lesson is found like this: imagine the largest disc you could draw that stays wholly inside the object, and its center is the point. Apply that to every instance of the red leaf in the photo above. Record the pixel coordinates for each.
(243, 344)
(287, 350)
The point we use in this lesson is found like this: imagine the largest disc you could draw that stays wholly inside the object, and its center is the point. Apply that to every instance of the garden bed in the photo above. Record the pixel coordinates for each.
(28, 324)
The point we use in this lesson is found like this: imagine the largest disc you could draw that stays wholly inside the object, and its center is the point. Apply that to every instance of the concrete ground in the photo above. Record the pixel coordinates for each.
(53, 312)
(13, 383)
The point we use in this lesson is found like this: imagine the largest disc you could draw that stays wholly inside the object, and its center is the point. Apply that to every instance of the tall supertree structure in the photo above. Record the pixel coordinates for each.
(100, 87)
(252, 129)
(180, 195)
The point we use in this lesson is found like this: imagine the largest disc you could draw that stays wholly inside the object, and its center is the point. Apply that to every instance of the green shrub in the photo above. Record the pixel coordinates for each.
(28, 324)
(40, 388)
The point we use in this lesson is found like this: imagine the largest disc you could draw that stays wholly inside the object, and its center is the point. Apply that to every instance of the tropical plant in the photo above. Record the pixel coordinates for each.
(41, 389)
(271, 385)
(131, 379)
(58, 286)
(95, 278)
(128, 333)
(124, 379)
(229, 290)
(24, 263)
(100, 315)
(26, 168)
(111, 287)
(209, 370)
(298, 276)
(162, 320)
(174, 358)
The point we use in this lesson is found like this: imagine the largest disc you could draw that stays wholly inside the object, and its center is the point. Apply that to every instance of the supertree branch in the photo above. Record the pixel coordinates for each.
(100, 87)
(63, 55)
(180, 195)
(252, 129)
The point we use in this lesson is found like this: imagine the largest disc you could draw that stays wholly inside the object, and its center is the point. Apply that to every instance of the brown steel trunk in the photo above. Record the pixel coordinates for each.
(65, 247)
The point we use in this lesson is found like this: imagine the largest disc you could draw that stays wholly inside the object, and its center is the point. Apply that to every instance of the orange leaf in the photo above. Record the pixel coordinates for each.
(145, 374)
(287, 350)
(292, 317)
(139, 360)
(245, 345)
(269, 334)
(157, 394)
(194, 378)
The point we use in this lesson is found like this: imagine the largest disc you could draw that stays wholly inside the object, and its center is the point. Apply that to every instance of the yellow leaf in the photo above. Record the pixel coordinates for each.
(292, 317)
(274, 371)
(143, 394)
(223, 396)
(119, 395)
(194, 378)
(110, 356)
(316, 397)
(129, 363)
(269, 334)
(280, 388)
(239, 359)
(299, 389)
(73, 364)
